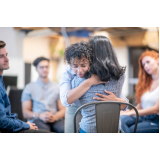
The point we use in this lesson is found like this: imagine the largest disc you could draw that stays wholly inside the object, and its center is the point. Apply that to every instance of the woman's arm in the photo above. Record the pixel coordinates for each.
(138, 107)
(69, 95)
(144, 112)
(76, 93)
(79, 91)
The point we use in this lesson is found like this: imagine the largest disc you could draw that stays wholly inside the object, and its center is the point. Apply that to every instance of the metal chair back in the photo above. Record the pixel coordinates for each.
(107, 116)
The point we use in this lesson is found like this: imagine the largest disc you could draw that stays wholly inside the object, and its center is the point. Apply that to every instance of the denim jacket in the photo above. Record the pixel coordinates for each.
(8, 121)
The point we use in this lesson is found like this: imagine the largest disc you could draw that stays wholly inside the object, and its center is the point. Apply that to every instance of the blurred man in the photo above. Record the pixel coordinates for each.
(40, 100)
(8, 121)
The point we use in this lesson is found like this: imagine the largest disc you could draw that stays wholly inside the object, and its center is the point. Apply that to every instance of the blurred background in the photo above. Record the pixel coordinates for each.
(25, 44)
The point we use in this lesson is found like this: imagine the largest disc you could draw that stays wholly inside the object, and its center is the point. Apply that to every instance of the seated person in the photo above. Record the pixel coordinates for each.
(40, 100)
(79, 56)
(147, 96)
(9, 123)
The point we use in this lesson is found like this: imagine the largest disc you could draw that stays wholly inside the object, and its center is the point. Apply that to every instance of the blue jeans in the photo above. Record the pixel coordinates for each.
(57, 126)
(146, 124)
(82, 131)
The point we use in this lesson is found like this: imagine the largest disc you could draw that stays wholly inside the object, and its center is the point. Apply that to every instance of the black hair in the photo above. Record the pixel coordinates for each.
(36, 61)
(2, 44)
(105, 63)
(78, 50)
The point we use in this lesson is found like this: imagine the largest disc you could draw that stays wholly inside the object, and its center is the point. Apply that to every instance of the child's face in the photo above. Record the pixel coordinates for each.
(80, 67)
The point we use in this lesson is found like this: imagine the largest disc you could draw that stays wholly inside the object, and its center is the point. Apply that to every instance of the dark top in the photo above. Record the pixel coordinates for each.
(8, 121)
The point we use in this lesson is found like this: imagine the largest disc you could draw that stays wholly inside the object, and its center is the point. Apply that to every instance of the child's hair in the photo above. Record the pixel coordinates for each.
(105, 63)
(79, 50)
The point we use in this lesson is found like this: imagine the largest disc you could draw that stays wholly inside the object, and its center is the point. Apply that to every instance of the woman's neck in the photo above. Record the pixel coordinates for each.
(155, 76)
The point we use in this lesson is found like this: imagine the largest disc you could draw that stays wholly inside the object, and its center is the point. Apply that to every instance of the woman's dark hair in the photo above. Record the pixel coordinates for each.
(105, 63)
(78, 50)
(36, 61)
(2, 44)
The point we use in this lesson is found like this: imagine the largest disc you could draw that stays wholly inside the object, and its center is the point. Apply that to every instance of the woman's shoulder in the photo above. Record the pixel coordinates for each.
(123, 76)
(67, 73)
(68, 70)
(76, 81)
(120, 80)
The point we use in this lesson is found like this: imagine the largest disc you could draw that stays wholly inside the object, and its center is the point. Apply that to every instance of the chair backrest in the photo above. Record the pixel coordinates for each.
(107, 116)
(14, 95)
(78, 119)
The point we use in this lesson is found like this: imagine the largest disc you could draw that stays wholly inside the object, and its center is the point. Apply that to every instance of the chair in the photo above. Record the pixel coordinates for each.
(14, 95)
(107, 116)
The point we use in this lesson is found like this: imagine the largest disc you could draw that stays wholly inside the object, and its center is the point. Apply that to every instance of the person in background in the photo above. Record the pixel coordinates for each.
(147, 97)
(8, 121)
(40, 100)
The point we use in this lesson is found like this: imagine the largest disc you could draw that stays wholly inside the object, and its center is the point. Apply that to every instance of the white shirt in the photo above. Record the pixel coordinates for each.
(149, 99)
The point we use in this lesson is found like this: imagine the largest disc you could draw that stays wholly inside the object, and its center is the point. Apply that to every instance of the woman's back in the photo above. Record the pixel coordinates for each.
(88, 122)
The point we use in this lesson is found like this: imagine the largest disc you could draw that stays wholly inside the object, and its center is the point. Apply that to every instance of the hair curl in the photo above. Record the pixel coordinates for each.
(78, 50)
(144, 79)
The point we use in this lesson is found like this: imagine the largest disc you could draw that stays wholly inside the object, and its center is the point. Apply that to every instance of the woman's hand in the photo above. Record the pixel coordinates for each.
(128, 110)
(127, 113)
(109, 97)
(94, 80)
